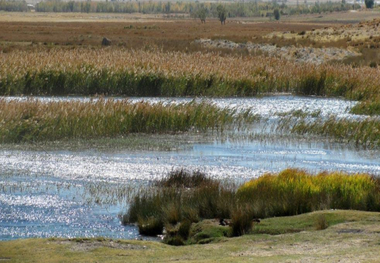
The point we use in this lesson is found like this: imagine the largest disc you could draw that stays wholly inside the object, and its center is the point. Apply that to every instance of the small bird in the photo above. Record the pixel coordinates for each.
(224, 222)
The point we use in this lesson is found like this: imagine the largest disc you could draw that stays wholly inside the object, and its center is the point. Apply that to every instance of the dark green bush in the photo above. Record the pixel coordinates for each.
(184, 229)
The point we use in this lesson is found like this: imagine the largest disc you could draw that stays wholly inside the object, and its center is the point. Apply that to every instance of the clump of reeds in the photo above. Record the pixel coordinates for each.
(190, 197)
(241, 221)
(184, 179)
(370, 107)
(293, 192)
(33, 120)
(362, 132)
(321, 223)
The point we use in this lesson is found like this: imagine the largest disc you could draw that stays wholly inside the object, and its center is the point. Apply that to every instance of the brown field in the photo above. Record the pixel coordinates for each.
(175, 34)
(25, 30)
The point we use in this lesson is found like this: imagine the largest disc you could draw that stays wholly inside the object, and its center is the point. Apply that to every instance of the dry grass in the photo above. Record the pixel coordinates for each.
(170, 34)
(154, 73)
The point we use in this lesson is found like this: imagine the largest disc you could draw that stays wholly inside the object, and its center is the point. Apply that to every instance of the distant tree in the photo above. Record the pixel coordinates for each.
(276, 14)
(222, 14)
(369, 3)
(202, 15)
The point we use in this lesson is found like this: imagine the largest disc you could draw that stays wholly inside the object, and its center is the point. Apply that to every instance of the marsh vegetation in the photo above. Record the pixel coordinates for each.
(188, 197)
(81, 161)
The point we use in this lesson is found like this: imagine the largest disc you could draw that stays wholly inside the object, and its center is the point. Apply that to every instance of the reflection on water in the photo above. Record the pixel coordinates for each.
(62, 192)
(265, 107)
(47, 193)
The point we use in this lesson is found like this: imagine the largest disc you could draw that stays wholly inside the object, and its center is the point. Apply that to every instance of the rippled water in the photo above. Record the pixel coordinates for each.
(61, 192)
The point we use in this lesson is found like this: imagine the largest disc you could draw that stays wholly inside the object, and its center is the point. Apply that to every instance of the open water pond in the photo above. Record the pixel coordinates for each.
(58, 191)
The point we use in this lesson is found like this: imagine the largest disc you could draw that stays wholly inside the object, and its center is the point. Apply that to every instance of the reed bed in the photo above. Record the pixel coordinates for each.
(364, 132)
(181, 197)
(116, 71)
(192, 196)
(369, 107)
(33, 120)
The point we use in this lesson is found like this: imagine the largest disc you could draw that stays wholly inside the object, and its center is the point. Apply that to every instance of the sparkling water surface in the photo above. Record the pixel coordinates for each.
(61, 192)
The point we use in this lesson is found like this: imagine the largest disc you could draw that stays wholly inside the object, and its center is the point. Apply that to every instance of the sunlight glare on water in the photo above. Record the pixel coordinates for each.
(44, 192)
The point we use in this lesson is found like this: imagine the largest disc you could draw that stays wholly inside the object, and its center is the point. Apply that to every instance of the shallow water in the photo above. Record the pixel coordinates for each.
(61, 192)
(265, 107)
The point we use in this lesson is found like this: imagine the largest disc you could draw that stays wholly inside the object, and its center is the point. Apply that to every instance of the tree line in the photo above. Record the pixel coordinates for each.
(194, 9)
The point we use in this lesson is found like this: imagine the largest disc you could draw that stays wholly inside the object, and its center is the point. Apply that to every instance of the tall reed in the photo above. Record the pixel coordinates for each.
(33, 120)
(183, 196)
(364, 132)
(116, 71)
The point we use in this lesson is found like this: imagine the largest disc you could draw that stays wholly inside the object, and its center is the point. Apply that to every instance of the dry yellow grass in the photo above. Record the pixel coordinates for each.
(227, 75)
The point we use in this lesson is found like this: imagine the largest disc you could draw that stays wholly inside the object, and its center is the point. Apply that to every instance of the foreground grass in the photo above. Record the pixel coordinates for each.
(352, 236)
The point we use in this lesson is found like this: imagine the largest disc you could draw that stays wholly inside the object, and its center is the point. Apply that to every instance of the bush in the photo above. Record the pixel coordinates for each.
(369, 3)
(184, 229)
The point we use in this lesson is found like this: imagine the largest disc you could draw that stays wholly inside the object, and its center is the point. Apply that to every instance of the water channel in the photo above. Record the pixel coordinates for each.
(60, 191)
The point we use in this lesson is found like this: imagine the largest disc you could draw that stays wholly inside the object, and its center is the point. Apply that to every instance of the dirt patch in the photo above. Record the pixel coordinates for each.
(365, 33)
(298, 54)
(90, 244)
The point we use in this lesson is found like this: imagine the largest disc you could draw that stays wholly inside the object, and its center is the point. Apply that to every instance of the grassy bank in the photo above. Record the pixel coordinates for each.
(184, 198)
(33, 120)
(116, 71)
(351, 236)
